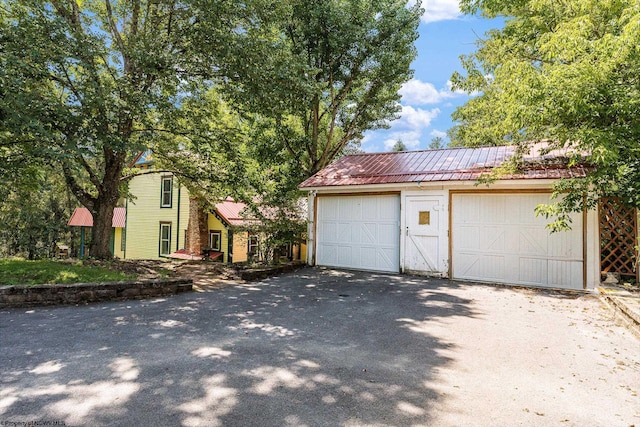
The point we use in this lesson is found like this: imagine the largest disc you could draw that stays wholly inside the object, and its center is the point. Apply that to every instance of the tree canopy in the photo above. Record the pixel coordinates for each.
(86, 84)
(399, 146)
(564, 71)
(329, 71)
(247, 97)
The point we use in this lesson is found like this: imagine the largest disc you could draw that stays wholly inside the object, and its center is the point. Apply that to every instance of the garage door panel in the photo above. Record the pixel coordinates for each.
(472, 240)
(566, 244)
(518, 250)
(532, 241)
(329, 253)
(491, 266)
(345, 255)
(494, 213)
(344, 234)
(349, 209)
(370, 207)
(486, 267)
(389, 211)
(565, 274)
(367, 234)
(532, 271)
(492, 239)
(388, 235)
(331, 231)
(328, 210)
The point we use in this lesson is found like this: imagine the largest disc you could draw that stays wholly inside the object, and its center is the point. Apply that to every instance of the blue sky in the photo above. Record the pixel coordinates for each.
(427, 100)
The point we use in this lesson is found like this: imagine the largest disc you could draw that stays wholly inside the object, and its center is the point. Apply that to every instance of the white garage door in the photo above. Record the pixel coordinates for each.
(498, 238)
(360, 232)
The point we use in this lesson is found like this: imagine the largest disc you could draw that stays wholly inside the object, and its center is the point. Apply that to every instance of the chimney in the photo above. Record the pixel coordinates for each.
(197, 229)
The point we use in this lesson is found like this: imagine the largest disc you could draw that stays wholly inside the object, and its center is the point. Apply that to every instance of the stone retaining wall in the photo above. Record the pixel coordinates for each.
(264, 272)
(77, 293)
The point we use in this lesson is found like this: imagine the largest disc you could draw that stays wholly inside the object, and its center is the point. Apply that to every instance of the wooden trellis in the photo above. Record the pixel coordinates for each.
(618, 238)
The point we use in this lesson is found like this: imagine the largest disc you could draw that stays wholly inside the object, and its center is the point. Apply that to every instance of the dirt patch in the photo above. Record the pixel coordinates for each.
(206, 275)
(143, 269)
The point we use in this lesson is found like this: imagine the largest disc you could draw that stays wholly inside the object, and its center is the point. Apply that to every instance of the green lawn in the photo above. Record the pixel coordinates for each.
(21, 272)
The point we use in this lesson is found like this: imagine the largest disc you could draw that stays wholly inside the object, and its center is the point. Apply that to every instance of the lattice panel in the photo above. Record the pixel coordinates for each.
(618, 237)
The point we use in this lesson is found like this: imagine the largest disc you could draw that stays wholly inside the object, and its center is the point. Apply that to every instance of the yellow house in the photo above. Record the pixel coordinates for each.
(160, 220)
(222, 235)
(157, 216)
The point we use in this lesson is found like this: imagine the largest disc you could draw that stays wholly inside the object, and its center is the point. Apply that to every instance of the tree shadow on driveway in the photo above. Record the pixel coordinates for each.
(316, 347)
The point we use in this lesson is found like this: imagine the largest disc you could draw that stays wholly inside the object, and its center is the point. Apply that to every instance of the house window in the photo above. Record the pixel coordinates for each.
(165, 238)
(123, 240)
(286, 250)
(166, 192)
(215, 240)
(252, 245)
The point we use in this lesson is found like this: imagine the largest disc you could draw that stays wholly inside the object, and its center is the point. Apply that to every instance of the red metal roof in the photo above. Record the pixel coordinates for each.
(231, 211)
(453, 164)
(81, 217)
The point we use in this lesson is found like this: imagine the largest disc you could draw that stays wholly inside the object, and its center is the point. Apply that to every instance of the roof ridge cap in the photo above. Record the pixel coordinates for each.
(378, 153)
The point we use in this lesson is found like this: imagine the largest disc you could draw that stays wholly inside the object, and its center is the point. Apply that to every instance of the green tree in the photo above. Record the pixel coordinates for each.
(565, 71)
(85, 84)
(399, 146)
(436, 143)
(34, 210)
(206, 146)
(328, 71)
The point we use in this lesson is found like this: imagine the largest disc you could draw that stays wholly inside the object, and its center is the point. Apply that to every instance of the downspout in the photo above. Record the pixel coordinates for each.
(178, 221)
(311, 248)
(124, 232)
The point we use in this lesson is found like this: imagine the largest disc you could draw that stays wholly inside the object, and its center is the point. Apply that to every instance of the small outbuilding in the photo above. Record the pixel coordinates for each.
(423, 212)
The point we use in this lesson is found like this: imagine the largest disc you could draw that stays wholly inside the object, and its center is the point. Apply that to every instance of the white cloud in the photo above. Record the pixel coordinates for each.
(438, 133)
(417, 92)
(410, 126)
(415, 118)
(439, 10)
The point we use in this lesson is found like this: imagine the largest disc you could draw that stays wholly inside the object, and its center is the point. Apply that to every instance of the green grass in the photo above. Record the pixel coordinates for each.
(22, 272)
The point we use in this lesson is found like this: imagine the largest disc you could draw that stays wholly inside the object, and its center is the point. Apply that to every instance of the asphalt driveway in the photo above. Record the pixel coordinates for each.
(323, 348)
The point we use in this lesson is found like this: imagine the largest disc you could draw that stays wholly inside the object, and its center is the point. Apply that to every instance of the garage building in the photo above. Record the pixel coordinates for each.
(423, 212)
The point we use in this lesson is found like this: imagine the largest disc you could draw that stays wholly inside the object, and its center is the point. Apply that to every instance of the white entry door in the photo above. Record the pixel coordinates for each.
(425, 245)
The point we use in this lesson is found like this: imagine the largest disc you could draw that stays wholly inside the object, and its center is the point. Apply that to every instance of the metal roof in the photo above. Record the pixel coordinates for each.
(452, 164)
(231, 211)
(81, 217)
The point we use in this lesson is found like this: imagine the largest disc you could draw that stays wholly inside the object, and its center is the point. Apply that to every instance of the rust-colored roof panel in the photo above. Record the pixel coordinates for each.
(454, 164)
(81, 217)
(231, 211)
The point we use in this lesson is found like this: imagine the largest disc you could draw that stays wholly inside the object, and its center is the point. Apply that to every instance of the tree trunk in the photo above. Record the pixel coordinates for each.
(101, 232)
(109, 192)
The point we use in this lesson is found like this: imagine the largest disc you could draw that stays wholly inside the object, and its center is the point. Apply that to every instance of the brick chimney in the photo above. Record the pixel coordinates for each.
(197, 229)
